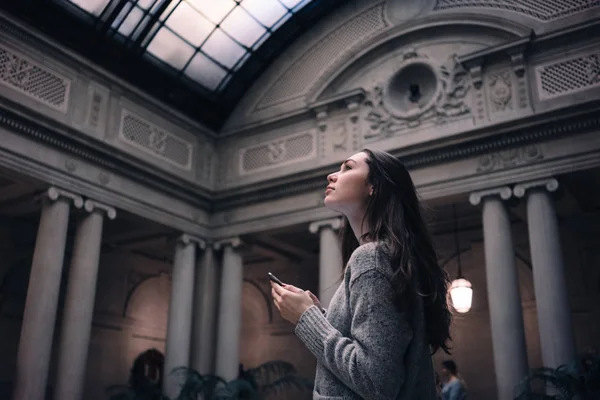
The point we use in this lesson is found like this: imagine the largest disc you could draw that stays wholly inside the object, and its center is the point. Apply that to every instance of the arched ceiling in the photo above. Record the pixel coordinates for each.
(199, 56)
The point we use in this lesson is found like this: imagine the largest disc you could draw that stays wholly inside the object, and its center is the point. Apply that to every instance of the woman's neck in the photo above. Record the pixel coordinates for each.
(359, 227)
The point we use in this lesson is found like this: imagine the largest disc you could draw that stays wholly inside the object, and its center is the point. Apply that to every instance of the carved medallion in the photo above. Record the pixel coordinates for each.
(70, 165)
(103, 178)
(418, 93)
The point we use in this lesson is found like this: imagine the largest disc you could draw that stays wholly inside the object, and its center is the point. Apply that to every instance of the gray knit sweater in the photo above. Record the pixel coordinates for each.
(365, 347)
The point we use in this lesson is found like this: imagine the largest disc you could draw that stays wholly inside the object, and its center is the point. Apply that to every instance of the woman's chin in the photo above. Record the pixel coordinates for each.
(329, 203)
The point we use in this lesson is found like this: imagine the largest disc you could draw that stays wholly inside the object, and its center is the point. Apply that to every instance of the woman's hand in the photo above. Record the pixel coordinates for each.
(314, 298)
(291, 301)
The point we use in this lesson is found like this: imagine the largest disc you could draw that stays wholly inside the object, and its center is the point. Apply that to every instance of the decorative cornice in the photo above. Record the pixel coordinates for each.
(489, 139)
(101, 155)
(345, 99)
(514, 137)
(480, 57)
(508, 137)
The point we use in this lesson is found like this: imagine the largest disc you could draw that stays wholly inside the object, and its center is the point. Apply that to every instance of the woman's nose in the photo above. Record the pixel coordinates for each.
(331, 177)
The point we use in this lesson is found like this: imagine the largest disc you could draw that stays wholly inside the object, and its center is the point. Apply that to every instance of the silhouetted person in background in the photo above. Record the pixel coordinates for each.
(454, 387)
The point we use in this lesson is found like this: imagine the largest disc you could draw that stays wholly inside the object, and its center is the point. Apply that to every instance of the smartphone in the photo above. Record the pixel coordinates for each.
(275, 279)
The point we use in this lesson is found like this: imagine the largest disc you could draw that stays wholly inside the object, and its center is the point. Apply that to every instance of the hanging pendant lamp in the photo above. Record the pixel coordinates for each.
(461, 290)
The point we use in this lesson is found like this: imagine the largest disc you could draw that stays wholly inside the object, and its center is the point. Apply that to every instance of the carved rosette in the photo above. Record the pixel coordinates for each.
(436, 96)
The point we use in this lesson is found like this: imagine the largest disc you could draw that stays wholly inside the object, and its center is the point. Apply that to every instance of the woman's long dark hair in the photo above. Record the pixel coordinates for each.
(393, 216)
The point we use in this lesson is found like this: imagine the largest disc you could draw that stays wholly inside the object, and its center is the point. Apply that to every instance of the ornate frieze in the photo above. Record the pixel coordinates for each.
(510, 158)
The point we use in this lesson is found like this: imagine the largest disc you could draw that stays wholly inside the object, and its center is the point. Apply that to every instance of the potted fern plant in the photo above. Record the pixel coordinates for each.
(576, 381)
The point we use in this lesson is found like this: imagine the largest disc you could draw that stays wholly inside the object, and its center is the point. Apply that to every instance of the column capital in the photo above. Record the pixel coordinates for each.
(235, 242)
(91, 206)
(334, 223)
(550, 184)
(187, 239)
(503, 191)
(53, 193)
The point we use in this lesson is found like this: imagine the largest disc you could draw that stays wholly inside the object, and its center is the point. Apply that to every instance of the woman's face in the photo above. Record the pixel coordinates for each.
(349, 190)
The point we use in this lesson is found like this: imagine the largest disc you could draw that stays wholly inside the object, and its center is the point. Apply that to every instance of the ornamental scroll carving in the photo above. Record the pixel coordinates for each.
(510, 158)
(437, 97)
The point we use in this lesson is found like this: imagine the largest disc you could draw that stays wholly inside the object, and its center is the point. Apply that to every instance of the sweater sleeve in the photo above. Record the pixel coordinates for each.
(370, 362)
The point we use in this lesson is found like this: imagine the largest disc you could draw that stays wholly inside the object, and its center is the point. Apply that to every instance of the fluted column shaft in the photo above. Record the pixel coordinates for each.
(205, 313)
(551, 294)
(79, 304)
(331, 266)
(506, 314)
(37, 331)
(230, 311)
(179, 327)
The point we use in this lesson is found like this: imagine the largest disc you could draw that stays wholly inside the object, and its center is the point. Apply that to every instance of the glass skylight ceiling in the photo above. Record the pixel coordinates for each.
(206, 40)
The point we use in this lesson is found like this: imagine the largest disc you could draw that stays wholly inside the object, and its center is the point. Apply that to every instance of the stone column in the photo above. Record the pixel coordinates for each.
(79, 304)
(35, 344)
(551, 294)
(331, 266)
(205, 313)
(230, 310)
(179, 326)
(506, 314)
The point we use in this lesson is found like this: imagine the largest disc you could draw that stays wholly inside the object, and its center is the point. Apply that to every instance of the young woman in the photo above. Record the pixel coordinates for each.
(454, 387)
(390, 313)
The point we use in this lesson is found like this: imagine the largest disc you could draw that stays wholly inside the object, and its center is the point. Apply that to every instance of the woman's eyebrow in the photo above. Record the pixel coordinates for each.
(348, 160)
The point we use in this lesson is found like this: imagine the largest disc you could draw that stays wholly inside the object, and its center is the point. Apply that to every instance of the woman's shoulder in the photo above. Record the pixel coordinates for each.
(371, 256)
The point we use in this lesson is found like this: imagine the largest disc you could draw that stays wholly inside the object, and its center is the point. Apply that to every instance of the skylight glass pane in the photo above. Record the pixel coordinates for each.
(220, 47)
(145, 4)
(122, 15)
(92, 6)
(214, 10)
(242, 27)
(204, 71)
(192, 26)
(130, 23)
(266, 11)
(169, 48)
(290, 3)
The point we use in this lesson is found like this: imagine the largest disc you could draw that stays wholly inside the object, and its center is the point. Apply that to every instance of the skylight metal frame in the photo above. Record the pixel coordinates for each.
(94, 37)
(152, 18)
